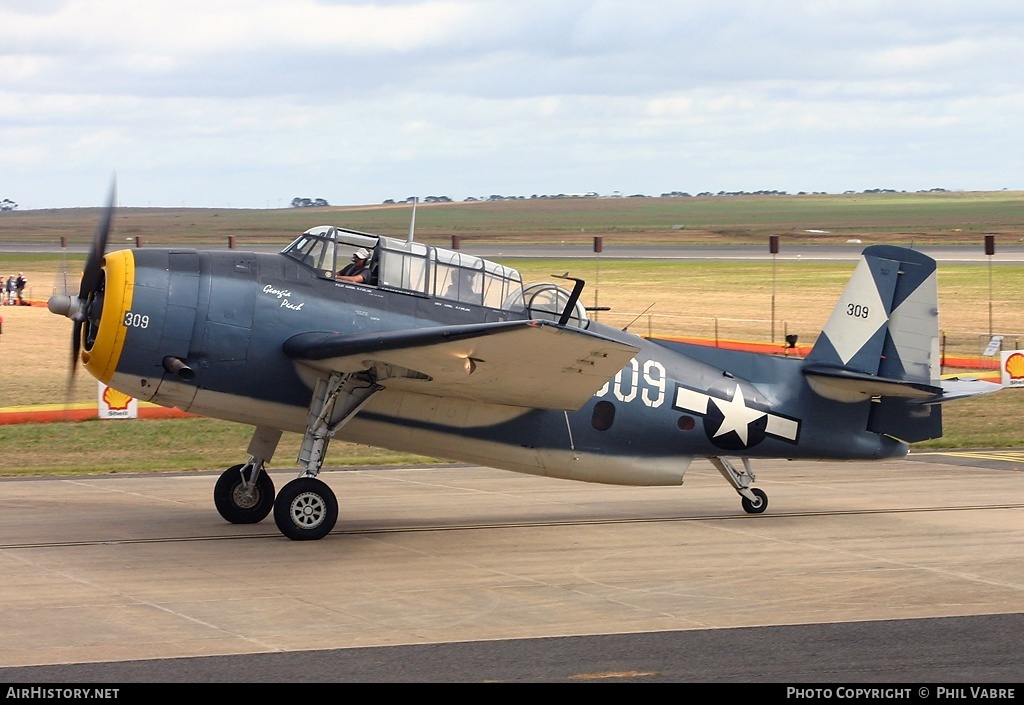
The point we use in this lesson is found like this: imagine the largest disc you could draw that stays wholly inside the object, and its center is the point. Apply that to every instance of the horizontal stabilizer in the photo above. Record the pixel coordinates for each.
(533, 364)
(844, 384)
(964, 387)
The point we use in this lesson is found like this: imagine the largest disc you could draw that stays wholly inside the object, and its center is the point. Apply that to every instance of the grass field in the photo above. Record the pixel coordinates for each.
(725, 300)
(948, 218)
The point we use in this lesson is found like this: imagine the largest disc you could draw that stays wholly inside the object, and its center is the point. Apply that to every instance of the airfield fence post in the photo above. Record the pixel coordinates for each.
(990, 250)
(716, 332)
(773, 247)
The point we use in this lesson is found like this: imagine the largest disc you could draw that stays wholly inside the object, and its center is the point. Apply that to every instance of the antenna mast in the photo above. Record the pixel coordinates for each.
(412, 223)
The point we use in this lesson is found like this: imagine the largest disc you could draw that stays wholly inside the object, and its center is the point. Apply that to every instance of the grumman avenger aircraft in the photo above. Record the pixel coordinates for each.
(449, 355)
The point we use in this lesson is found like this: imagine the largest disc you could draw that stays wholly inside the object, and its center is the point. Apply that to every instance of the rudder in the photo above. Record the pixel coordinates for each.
(886, 322)
(881, 343)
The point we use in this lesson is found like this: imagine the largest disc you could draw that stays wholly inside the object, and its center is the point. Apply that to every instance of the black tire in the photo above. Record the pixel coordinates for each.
(755, 507)
(235, 506)
(306, 509)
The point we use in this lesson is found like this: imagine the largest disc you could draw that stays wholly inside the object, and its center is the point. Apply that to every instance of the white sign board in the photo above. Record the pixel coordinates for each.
(1012, 366)
(116, 405)
(993, 345)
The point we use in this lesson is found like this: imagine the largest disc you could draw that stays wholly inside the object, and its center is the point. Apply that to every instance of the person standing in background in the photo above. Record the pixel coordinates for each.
(20, 284)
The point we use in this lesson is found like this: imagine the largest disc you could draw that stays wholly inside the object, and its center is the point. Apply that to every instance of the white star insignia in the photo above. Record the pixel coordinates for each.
(737, 415)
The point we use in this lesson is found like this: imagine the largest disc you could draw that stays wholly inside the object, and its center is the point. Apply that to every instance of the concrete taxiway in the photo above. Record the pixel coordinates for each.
(142, 567)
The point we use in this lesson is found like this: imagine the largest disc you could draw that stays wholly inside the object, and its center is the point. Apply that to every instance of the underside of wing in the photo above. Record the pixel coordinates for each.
(533, 364)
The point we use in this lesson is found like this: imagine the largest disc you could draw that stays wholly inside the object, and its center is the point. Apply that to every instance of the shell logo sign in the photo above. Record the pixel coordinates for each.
(116, 405)
(1013, 368)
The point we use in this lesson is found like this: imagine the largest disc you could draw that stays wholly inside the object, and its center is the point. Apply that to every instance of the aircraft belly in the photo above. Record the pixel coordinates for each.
(247, 410)
(565, 463)
(615, 469)
(510, 438)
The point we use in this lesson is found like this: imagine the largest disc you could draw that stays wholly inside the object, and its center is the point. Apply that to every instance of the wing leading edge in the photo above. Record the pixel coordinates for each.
(533, 364)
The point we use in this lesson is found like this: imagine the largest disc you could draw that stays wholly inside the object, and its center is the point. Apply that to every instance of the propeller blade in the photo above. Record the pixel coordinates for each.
(69, 389)
(76, 347)
(77, 308)
(94, 263)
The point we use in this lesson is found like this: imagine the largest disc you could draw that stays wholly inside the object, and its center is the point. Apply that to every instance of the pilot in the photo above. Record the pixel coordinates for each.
(357, 271)
(463, 287)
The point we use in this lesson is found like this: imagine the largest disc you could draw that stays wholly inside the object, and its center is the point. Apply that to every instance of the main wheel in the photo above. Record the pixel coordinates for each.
(238, 505)
(757, 507)
(306, 509)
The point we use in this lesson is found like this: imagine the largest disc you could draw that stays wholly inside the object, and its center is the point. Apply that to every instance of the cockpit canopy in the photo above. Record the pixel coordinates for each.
(317, 248)
(412, 267)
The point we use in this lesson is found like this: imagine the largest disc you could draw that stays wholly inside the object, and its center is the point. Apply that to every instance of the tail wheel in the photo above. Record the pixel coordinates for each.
(306, 509)
(239, 504)
(758, 506)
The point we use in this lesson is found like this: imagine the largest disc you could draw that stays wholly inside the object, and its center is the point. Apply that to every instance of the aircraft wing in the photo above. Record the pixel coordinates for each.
(533, 364)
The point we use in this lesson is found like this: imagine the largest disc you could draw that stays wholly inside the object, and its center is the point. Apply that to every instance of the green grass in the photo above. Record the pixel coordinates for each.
(989, 421)
(897, 218)
(166, 445)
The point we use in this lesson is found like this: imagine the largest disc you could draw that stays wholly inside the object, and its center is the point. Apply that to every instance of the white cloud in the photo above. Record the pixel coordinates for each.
(200, 27)
(243, 101)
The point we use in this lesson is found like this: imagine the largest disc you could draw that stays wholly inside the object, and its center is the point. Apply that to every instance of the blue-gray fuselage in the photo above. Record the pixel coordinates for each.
(228, 315)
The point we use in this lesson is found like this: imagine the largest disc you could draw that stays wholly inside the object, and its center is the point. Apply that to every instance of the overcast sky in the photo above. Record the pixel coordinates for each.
(249, 103)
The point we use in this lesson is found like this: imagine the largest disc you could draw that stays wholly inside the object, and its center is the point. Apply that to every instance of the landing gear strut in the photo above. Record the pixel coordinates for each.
(754, 500)
(306, 508)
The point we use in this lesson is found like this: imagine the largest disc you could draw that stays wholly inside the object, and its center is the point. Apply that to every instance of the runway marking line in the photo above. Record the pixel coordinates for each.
(1010, 456)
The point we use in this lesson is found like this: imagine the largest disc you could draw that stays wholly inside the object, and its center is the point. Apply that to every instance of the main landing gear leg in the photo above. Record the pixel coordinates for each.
(244, 494)
(754, 500)
(306, 508)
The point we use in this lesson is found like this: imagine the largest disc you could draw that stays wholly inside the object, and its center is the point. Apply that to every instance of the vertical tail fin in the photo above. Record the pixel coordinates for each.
(886, 323)
(882, 343)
